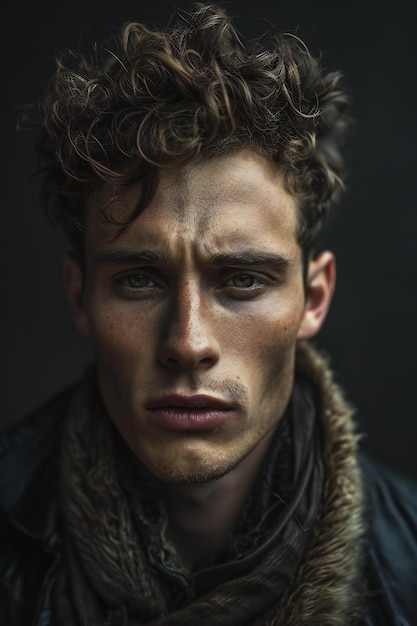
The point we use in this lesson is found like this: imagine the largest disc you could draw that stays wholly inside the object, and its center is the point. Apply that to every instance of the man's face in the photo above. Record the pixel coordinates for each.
(194, 312)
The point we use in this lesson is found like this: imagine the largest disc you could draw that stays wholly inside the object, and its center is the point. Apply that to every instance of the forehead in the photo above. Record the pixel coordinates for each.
(236, 197)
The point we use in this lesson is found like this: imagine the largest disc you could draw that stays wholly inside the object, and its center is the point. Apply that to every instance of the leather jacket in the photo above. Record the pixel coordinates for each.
(31, 541)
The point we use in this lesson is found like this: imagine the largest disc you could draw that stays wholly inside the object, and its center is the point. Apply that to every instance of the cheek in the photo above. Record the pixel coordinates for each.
(122, 348)
(278, 366)
(267, 350)
(110, 332)
(117, 331)
(273, 328)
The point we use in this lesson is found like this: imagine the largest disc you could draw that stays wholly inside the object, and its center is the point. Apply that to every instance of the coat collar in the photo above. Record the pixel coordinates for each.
(29, 454)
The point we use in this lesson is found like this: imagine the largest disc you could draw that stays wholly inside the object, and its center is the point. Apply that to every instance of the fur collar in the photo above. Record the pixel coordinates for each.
(326, 585)
(329, 587)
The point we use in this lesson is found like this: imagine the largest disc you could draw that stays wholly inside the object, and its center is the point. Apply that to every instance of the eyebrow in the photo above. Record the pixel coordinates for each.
(251, 258)
(128, 257)
(241, 258)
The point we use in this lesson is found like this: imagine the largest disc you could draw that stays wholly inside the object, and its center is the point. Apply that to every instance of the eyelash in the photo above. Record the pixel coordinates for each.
(258, 284)
(125, 279)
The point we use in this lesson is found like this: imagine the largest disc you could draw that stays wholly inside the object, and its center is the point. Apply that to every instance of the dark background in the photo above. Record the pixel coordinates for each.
(371, 331)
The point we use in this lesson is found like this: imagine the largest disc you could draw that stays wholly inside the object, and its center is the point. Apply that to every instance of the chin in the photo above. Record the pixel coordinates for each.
(184, 471)
(194, 476)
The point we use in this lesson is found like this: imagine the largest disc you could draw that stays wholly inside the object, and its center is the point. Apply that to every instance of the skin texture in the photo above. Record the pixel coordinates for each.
(190, 320)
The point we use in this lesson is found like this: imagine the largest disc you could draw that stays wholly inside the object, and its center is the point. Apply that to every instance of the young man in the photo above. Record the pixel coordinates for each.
(206, 469)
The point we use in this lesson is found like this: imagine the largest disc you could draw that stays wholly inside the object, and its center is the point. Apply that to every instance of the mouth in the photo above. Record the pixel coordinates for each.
(190, 413)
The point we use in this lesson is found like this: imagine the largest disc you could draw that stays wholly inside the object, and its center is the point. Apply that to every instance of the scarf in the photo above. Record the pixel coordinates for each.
(295, 558)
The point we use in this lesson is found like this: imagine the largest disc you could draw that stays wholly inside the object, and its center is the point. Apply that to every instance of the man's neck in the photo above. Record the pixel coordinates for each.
(203, 516)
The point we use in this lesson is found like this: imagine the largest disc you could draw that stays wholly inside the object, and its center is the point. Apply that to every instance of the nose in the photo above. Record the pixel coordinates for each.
(188, 340)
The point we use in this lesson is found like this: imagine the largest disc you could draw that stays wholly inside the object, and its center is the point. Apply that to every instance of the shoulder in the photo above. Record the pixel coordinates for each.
(33, 426)
(29, 541)
(28, 454)
(26, 446)
(393, 500)
(391, 505)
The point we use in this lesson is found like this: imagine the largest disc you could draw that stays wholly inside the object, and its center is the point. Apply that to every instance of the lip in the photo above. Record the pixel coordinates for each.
(193, 413)
(198, 401)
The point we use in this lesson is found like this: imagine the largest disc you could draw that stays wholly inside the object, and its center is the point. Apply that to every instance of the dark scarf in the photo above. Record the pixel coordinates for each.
(293, 560)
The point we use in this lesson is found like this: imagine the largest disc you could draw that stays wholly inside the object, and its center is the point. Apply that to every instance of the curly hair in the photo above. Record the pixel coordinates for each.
(193, 91)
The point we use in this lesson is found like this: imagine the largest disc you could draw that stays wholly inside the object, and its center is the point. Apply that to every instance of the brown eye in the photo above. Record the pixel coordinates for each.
(243, 281)
(136, 281)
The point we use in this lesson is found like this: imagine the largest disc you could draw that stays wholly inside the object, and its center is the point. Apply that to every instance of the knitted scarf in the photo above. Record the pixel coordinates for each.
(296, 556)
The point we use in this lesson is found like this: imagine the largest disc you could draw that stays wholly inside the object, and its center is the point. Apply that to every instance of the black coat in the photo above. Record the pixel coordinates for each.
(30, 533)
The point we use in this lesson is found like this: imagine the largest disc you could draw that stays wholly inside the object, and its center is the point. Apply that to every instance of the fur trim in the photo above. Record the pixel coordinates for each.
(328, 590)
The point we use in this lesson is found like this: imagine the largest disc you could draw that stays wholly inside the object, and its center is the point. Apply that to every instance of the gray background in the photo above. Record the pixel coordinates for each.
(371, 331)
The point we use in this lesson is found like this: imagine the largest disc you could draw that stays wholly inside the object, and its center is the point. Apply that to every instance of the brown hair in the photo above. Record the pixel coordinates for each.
(192, 91)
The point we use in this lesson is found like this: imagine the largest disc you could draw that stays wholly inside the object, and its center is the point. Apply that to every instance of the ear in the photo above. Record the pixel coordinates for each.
(73, 276)
(321, 280)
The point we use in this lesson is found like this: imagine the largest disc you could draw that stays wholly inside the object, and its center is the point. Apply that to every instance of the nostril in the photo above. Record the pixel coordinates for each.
(187, 358)
(188, 361)
(206, 361)
(171, 362)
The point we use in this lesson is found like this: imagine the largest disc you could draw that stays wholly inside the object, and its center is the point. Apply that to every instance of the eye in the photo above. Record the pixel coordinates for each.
(243, 281)
(244, 286)
(139, 284)
(136, 281)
